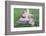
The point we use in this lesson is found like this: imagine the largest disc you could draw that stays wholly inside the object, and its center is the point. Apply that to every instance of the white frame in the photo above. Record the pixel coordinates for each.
(26, 28)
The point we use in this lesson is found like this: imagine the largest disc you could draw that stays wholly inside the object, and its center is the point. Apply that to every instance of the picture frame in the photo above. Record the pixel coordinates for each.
(12, 7)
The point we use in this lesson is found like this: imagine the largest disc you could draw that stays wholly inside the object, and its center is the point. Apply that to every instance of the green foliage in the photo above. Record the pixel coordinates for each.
(18, 12)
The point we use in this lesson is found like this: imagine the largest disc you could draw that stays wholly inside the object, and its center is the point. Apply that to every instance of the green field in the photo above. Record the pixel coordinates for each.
(18, 12)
